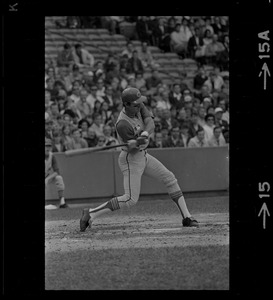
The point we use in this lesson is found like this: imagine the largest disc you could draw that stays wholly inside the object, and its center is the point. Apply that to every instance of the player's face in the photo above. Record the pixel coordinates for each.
(133, 108)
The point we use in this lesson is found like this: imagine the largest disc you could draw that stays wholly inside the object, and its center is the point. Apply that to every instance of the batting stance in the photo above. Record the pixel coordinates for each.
(52, 173)
(134, 126)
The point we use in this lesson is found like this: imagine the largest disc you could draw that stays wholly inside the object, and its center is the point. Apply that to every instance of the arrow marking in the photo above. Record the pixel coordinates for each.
(265, 70)
(265, 211)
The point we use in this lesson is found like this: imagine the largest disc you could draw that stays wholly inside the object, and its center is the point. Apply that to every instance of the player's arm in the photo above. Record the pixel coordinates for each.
(127, 134)
(148, 120)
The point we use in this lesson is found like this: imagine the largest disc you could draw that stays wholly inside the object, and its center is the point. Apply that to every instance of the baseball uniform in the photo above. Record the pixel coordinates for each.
(137, 161)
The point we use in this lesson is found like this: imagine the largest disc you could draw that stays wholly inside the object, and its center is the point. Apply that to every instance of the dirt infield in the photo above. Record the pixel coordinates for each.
(150, 227)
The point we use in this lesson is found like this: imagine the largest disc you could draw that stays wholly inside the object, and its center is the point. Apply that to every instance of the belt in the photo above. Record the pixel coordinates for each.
(138, 150)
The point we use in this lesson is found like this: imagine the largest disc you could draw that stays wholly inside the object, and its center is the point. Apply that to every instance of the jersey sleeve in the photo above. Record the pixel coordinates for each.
(125, 131)
(145, 113)
(55, 166)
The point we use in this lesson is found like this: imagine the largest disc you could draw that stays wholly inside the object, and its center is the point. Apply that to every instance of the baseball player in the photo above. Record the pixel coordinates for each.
(134, 126)
(52, 173)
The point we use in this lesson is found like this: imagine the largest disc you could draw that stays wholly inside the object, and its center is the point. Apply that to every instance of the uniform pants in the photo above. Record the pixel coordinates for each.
(133, 166)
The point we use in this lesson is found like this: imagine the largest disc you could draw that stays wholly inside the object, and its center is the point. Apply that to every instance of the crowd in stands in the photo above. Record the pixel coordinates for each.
(82, 95)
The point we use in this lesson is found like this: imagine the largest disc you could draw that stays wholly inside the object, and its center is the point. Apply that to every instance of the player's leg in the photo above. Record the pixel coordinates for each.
(132, 168)
(155, 169)
(60, 189)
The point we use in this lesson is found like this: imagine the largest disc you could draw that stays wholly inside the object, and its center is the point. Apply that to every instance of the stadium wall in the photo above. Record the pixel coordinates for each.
(97, 175)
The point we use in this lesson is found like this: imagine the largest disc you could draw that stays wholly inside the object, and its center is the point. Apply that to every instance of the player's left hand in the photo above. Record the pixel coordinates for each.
(141, 140)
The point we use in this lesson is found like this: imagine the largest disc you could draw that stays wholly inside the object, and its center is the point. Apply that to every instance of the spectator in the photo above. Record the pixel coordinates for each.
(107, 131)
(139, 80)
(171, 23)
(201, 116)
(83, 126)
(216, 25)
(217, 139)
(154, 80)
(91, 138)
(131, 81)
(65, 57)
(160, 33)
(166, 119)
(219, 121)
(88, 79)
(156, 142)
(105, 112)
(176, 97)
(198, 140)
(208, 25)
(224, 61)
(186, 33)
(100, 90)
(101, 141)
(52, 173)
(48, 129)
(215, 82)
(146, 56)
(213, 51)
(82, 57)
(165, 133)
(182, 116)
(144, 30)
(199, 79)
(128, 50)
(193, 124)
(209, 125)
(210, 110)
(75, 92)
(73, 22)
(110, 63)
(207, 37)
(123, 77)
(97, 105)
(74, 75)
(58, 85)
(226, 136)
(203, 93)
(196, 46)
(48, 101)
(223, 105)
(134, 64)
(111, 23)
(97, 125)
(57, 143)
(92, 97)
(174, 140)
(116, 89)
(177, 41)
(185, 136)
(49, 85)
(108, 97)
(83, 106)
(163, 100)
(90, 22)
(77, 141)
(196, 103)
(98, 71)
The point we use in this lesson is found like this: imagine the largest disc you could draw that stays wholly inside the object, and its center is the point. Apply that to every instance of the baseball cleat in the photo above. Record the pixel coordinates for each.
(64, 206)
(190, 222)
(85, 220)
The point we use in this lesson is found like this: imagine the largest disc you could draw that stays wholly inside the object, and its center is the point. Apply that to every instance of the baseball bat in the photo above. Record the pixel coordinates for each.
(93, 149)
